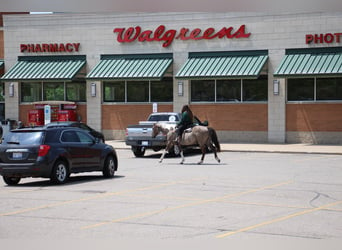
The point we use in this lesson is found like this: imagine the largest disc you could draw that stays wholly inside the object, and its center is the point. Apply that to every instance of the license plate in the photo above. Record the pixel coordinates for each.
(17, 156)
(144, 143)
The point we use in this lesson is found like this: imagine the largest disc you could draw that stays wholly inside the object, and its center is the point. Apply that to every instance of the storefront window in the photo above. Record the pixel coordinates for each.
(114, 91)
(162, 91)
(300, 89)
(203, 90)
(76, 91)
(329, 89)
(228, 90)
(314, 89)
(255, 90)
(138, 91)
(53, 91)
(31, 91)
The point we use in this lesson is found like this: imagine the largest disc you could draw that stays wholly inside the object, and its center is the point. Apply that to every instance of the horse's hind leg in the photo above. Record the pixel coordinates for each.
(203, 149)
(213, 148)
(182, 155)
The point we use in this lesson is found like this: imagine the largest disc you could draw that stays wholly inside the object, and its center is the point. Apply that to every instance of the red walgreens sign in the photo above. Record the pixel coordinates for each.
(50, 47)
(323, 38)
(160, 34)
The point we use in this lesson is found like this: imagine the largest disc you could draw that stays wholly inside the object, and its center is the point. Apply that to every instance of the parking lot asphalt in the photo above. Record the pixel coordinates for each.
(247, 196)
(262, 147)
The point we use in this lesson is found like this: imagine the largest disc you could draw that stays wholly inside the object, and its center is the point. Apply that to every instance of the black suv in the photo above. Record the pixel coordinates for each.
(53, 153)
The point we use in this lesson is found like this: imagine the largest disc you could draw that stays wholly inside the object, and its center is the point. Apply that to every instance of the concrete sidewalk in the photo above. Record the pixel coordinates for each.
(262, 147)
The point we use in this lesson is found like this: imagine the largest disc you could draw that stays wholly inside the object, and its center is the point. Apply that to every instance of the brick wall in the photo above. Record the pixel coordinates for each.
(314, 117)
(2, 54)
(233, 117)
(229, 117)
(118, 117)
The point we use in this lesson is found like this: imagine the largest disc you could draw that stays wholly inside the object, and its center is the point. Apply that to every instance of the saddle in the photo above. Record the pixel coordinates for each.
(188, 130)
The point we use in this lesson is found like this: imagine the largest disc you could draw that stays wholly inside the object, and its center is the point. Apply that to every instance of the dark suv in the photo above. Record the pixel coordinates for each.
(53, 153)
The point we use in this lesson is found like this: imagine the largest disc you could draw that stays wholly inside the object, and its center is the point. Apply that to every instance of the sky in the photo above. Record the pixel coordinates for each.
(170, 5)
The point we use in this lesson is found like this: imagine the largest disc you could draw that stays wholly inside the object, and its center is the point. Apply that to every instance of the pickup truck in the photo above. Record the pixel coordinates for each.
(139, 137)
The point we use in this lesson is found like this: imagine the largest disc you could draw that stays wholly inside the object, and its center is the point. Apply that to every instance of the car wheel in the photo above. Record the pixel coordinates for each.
(11, 180)
(60, 173)
(109, 167)
(138, 151)
(175, 150)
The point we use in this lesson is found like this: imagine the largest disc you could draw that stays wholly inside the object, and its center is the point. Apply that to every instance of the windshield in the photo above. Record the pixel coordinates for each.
(163, 118)
(23, 138)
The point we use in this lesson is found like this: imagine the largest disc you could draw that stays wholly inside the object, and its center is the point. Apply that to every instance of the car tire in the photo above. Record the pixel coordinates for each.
(109, 167)
(174, 151)
(60, 172)
(11, 181)
(138, 151)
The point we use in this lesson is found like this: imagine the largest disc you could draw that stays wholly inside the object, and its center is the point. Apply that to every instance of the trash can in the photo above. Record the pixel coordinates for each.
(6, 126)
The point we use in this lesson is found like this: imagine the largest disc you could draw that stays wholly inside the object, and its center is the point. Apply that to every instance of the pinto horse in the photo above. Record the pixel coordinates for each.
(204, 137)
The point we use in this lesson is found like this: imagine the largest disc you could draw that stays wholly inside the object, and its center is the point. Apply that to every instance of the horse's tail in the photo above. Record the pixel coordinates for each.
(214, 139)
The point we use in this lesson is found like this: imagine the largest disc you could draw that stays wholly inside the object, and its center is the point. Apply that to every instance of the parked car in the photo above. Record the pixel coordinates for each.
(53, 153)
(81, 125)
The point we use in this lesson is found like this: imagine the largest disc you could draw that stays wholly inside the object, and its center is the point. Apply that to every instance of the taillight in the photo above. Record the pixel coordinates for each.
(43, 150)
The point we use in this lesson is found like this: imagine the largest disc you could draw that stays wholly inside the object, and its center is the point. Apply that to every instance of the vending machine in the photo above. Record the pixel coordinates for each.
(67, 115)
(36, 117)
(67, 112)
(57, 111)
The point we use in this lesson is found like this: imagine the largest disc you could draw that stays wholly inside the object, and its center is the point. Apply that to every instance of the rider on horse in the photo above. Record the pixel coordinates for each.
(187, 121)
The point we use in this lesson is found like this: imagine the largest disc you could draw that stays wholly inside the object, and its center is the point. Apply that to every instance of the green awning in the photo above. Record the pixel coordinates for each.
(33, 68)
(311, 62)
(2, 63)
(238, 64)
(131, 67)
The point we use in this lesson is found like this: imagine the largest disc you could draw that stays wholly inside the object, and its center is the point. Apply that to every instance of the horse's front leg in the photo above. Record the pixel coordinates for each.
(162, 156)
(166, 150)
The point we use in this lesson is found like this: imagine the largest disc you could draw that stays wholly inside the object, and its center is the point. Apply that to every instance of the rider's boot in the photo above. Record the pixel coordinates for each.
(178, 139)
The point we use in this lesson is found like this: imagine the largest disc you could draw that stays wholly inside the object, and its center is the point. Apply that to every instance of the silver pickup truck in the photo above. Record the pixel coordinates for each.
(139, 137)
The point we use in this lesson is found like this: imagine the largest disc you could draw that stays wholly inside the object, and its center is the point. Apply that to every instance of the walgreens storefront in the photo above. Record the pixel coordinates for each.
(255, 77)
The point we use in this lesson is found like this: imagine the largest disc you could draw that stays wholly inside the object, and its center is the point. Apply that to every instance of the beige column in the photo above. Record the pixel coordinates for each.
(276, 102)
(12, 102)
(94, 97)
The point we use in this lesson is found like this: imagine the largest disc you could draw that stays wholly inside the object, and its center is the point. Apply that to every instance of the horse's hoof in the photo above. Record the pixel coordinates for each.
(200, 162)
